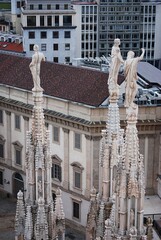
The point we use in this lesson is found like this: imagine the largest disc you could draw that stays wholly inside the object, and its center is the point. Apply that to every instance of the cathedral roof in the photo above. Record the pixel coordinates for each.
(66, 82)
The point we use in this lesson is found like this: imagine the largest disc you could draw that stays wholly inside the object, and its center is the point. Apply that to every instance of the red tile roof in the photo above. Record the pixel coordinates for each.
(62, 81)
(13, 47)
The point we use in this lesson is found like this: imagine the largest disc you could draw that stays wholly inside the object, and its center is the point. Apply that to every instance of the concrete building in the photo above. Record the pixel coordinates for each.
(75, 109)
(51, 25)
(135, 22)
(86, 20)
(16, 15)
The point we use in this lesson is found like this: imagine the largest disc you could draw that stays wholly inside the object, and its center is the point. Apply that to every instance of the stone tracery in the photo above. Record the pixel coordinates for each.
(41, 220)
(122, 221)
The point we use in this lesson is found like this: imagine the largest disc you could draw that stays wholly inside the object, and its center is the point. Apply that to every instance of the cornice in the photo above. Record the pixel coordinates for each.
(5, 165)
(68, 122)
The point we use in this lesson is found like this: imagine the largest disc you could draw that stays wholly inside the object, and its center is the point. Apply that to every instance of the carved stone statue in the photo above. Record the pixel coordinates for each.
(116, 60)
(35, 67)
(132, 217)
(40, 187)
(130, 72)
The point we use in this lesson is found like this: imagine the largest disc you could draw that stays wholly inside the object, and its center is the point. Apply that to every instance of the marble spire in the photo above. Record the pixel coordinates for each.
(120, 208)
(129, 195)
(39, 221)
(110, 146)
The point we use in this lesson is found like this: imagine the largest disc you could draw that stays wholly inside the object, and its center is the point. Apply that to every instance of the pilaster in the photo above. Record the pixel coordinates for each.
(66, 159)
(9, 137)
(89, 164)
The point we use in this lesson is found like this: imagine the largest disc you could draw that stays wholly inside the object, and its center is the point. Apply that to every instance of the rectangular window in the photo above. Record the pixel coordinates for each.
(43, 34)
(43, 47)
(48, 6)
(1, 150)
(56, 172)
(56, 20)
(77, 179)
(55, 134)
(31, 35)
(49, 20)
(67, 34)
(55, 59)
(55, 34)
(40, 6)
(17, 121)
(77, 141)
(31, 47)
(18, 156)
(67, 20)
(67, 59)
(1, 116)
(31, 7)
(67, 46)
(1, 177)
(55, 47)
(31, 21)
(65, 6)
(57, 6)
(18, 4)
(41, 21)
(76, 210)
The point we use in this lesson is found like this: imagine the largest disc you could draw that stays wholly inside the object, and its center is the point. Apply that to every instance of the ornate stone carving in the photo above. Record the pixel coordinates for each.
(41, 221)
(20, 215)
(122, 153)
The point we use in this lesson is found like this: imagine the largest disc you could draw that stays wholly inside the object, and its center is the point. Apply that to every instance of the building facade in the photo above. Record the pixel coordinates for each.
(86, 20)
(75, 115)
(51, 25)
(134, 22)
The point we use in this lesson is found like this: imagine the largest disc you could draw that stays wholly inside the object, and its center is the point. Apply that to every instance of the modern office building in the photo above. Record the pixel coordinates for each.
(86, 20)
(135, 22)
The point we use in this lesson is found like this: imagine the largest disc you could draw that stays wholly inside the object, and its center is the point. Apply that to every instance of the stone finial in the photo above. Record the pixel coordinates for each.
(59, 211)
(20, 215)
(20, 194)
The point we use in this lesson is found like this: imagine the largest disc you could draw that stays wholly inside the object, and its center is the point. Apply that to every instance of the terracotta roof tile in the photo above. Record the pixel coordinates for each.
(62, 81)
(14, 47)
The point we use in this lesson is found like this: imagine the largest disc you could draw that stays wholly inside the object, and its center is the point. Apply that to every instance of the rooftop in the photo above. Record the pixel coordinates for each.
(13, 47)
(71, 83)
(149, 73)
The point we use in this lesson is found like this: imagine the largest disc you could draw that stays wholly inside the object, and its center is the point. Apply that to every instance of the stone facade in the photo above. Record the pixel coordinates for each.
(69, 117)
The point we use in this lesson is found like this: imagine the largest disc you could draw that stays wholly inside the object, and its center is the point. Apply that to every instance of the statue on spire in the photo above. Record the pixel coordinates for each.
(34, 66)
(116, 60)
(130, 72)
